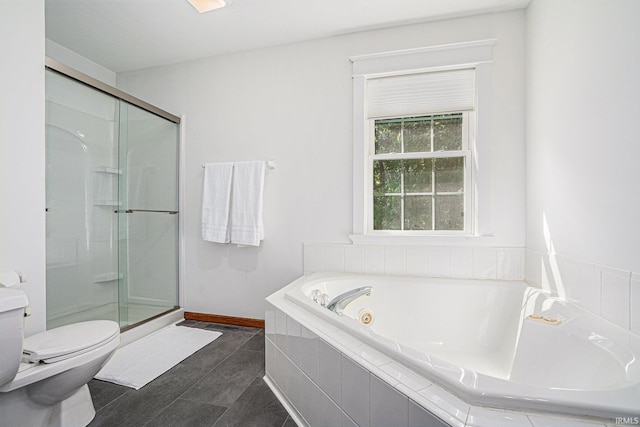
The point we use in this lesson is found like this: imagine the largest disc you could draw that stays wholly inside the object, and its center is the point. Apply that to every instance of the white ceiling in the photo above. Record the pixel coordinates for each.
(125, 35)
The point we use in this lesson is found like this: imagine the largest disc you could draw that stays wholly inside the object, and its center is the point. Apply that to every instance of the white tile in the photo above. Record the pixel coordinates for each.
(483, 417)
(334, 259)
(310, 401)
(446, 401)
(279, 371)
(430, 407)
(374, 259)
(420, 417)
(388, 406)
(484, 264)
(510, 264)
(293, 376)
(269, 358)
(331, 415)
(281, 330)
(313, 258)
(417, 261)
(615, 297)
(269, 320)
(330, 371)
(547, 421)
(570, 278)
(347, 422)
(392, 382)
(293, 340)
(405, 376)
(354, 259)
(355, 392)
(461, 263)
(548, 274)
(590, 288)
(325, 329)
(309, 353)
(372, 356)
(345, 340)
(532, 267)
(439, 262)
(395, 261)
(635, 305)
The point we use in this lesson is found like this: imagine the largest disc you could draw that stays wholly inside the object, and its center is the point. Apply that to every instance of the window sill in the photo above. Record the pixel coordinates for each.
(434, 240)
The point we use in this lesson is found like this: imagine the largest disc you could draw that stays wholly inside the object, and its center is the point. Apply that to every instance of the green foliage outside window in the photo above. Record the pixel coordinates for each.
(425, 193)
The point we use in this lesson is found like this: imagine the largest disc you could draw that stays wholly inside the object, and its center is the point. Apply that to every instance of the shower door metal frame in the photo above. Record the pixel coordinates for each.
(58, 67)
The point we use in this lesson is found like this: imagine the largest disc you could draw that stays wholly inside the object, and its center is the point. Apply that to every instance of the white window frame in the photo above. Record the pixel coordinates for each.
(476, 55)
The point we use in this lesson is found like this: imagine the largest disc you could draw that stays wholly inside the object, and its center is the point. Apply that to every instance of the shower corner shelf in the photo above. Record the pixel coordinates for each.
(106, 277)
(107, 169)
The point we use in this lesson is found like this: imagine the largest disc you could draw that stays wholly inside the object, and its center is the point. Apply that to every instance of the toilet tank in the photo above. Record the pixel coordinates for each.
(12, 304)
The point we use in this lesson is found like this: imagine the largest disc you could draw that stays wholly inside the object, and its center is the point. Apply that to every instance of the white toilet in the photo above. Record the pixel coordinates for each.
(43, 378)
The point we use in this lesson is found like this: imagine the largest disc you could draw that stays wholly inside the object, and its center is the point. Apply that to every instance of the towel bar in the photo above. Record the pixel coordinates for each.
(271, 164)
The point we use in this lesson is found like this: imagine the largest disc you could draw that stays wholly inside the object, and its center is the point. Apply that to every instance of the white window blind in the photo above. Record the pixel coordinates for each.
(423, 93)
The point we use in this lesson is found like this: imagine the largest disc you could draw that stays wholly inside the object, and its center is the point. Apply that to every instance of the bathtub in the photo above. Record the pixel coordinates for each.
(490, 344)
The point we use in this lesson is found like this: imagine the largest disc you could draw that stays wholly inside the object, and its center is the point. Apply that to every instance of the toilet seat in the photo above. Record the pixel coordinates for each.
(68, 341)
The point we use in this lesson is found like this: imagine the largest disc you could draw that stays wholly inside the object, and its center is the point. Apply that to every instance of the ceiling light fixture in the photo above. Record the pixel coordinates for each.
(203, 6)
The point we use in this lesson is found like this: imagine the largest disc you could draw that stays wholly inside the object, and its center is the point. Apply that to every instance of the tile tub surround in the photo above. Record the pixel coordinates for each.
(324, 376)
(611, 293)
(461, 262)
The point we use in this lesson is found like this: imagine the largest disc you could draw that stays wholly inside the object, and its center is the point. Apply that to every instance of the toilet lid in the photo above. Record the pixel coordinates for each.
(69, 340)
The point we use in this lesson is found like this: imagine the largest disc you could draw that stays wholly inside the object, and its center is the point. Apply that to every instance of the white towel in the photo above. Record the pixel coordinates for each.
(246, 203)
(216, 195)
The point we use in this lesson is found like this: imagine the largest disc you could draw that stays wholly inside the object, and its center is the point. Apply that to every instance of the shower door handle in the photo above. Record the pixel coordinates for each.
(146, 210)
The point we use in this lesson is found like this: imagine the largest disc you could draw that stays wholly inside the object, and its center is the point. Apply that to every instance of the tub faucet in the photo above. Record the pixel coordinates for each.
(339, 303)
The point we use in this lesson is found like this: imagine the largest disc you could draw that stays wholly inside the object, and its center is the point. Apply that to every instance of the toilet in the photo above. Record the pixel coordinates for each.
(43, 378)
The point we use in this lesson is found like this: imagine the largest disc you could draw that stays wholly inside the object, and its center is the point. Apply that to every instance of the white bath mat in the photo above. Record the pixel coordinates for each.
(142, 361)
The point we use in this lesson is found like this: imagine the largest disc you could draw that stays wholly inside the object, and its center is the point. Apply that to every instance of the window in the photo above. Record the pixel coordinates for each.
(419, 152)
(419, 167)
(420, 133)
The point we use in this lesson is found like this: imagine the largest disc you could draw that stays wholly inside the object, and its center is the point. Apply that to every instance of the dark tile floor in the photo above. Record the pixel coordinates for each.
(219, 385)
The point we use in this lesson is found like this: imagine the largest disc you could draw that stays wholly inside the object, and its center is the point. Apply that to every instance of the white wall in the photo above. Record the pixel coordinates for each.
(582, 152)
(293, 104)
(22, 161)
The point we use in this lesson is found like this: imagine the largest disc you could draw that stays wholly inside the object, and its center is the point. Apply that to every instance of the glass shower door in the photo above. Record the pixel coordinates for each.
(81, 196)
(148, 244)
(112, 205)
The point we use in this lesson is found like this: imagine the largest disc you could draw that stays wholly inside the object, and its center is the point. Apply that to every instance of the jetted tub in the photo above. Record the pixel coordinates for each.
(498, 344)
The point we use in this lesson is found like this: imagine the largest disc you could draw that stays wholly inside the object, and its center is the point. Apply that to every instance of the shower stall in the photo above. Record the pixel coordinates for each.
(111, 202)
